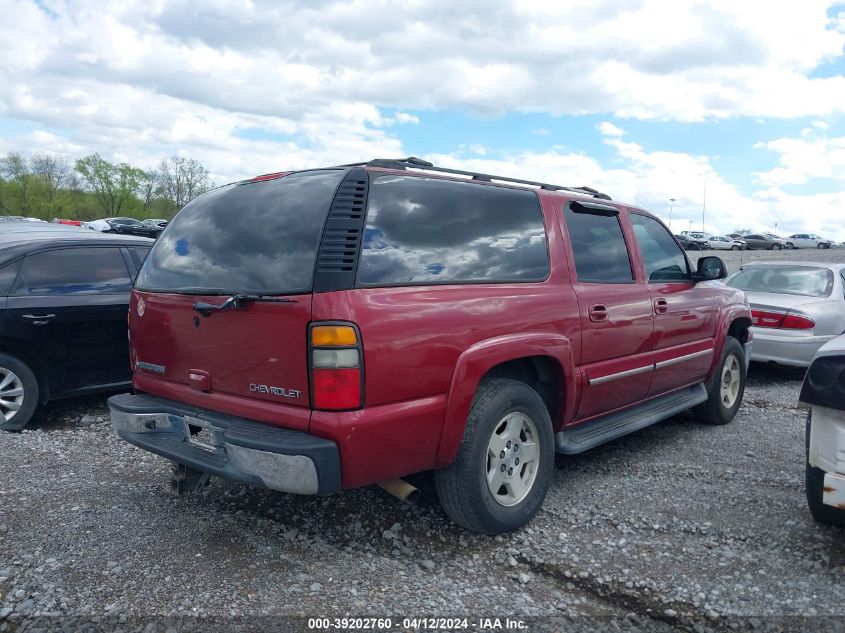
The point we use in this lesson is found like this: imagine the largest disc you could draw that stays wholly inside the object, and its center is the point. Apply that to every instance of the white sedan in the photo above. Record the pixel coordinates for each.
(809, 240)
(723, 243)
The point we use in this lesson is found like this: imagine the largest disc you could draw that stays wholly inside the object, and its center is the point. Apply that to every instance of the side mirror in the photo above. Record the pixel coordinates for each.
(710, 268)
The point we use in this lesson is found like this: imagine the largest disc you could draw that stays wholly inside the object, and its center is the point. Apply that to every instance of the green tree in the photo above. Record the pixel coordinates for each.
(14, 168)
(114, 185)
(181, 180)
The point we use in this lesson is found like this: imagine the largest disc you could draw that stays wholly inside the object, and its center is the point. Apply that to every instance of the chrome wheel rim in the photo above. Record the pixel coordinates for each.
(729, 388)
(11, 393)
(513, 458)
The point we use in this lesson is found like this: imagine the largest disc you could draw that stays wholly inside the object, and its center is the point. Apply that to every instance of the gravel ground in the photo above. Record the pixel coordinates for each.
(677, 526)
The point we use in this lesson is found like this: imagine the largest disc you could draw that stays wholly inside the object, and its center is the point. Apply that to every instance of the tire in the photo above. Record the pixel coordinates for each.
(776, 247)
(499, 407)
(734, 247)
(814, 482)
(19, 389)
(819, 245)
(722, 404)
(789, 246)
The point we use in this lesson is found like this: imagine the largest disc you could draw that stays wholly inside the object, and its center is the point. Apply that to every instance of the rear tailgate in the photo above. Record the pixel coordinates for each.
(229, 358)
(258, 238)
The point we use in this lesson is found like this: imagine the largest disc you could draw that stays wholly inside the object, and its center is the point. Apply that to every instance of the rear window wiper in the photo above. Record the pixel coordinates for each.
(237, 301)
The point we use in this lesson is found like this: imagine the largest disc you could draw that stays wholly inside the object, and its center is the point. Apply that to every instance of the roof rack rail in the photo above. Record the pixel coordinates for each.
(417, 163)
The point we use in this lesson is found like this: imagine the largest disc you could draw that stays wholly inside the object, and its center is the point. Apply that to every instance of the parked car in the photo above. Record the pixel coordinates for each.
(155, 222)
(68, 222)
(796, 307)
(824, 391)
(64, 295)
(809, 240)
(12, 218)
(724, 243)
(125, 226)
(787, 243)
(697, 235)
(359, 324)
(692, 245)
(760, 241)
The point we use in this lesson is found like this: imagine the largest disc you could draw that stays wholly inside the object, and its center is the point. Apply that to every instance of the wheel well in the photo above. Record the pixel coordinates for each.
(18, 351)
(542, 373)
(739, 329)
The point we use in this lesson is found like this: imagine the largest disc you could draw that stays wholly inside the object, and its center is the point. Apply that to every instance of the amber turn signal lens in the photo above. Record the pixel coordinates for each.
(333, 335)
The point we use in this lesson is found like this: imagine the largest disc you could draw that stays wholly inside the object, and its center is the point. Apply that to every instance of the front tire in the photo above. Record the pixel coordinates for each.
(734, 247)
(776, 247)
(505, 462)
(726, 388)
(814, 478)
(790, 246)
(18, 393)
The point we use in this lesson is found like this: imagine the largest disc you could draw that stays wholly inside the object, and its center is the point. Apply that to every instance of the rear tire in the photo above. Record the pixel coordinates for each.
(505, 462)
(734, 247)
(726, 388)
(18, 393)
(814, 478)
(776, 247)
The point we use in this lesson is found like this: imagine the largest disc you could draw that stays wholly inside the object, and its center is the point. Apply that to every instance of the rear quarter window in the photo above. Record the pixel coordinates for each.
(431, 231)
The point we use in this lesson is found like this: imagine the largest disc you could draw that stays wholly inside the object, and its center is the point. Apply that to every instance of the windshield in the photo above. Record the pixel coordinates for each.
(255, 237)
(805, 281)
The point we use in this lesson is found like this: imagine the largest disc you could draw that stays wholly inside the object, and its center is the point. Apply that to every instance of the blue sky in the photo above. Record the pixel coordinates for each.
(745, 99)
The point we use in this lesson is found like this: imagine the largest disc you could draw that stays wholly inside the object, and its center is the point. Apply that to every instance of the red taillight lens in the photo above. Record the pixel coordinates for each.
(337, 389)
(762, 318)
(336, 375)
(795, 322)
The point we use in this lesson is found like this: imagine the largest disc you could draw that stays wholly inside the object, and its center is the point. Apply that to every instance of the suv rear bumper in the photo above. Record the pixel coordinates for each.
(232, 448)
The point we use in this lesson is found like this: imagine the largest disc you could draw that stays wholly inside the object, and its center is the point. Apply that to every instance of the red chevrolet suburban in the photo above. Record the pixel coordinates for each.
(324, 329)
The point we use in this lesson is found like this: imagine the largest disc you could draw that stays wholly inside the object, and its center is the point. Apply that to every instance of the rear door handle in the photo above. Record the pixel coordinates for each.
(598, 313)
(38, 319)
(661, 306)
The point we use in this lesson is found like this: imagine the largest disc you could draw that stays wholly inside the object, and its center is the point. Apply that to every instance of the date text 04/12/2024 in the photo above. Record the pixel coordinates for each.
(422, 623)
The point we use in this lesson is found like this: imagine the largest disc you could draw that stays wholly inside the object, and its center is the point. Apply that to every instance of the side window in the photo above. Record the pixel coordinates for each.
(431, 231)
(7, 277)
(140, 254)
(598, 246)
(664, 260)
(74, 271)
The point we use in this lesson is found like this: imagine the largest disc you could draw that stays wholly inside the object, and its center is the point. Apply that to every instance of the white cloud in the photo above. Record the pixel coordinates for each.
(608, 129)
(805, 158)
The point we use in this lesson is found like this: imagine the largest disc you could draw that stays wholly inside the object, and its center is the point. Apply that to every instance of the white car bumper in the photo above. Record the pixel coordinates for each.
(827, 452)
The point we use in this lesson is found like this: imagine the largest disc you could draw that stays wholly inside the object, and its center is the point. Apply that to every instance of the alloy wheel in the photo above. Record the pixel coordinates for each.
(513, 458)
(11, 393)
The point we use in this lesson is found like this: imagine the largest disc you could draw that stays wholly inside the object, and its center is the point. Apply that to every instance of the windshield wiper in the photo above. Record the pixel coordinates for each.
(237, 301)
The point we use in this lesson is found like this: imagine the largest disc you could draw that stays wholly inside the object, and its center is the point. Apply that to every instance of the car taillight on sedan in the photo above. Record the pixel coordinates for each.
(336, 374)
(781, 320)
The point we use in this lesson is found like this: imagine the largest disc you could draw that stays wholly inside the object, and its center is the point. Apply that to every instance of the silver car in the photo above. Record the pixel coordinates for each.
(796, 307)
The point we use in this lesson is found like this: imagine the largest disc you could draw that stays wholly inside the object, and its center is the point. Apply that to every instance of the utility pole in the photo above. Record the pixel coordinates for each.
(671, 205)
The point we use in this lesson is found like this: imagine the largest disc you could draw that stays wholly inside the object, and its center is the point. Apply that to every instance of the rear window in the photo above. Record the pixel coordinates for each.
(431, 231)
(805, 281)
(258, 237)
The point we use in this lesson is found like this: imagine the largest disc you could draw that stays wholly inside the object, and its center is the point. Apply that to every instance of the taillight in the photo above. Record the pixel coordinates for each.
(780, 320)
(336, 375)
(795, 322)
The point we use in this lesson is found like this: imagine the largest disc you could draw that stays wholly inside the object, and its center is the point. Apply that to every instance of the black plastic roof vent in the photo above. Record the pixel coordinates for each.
(337, 258)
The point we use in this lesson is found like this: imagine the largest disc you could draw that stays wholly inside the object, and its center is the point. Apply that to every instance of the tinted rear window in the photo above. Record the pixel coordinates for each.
(789, 280)
(598, 246)
(258, 237)
(431, 231)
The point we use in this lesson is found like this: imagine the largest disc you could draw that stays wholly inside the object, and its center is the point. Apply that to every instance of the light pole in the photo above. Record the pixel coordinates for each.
(671, 205)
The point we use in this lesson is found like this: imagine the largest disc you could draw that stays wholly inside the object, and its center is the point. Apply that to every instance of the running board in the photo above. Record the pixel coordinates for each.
(583, 437)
